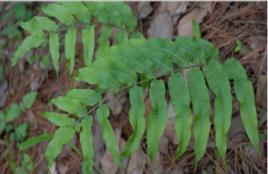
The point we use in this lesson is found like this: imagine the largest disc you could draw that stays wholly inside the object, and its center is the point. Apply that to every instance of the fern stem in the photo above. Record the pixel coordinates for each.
(138, 83)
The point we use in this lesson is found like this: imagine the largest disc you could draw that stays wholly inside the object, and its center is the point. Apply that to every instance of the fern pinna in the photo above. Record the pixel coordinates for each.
(190, 63)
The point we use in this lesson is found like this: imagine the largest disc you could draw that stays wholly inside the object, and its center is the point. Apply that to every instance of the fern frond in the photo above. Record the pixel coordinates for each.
(134, 55)
(157, 119)
(219, 84)
(70, 105)
(59, 12)
(245, 95)
(54, 50)
(70, 14)
(69, 45)
(32, 41)
(39, 24)
(88, 41)
(108, 133)
(86, 141)
(59, 119)
(63, 135)
(137, 120)
(86, 97)
(181, 103)
(201, 108)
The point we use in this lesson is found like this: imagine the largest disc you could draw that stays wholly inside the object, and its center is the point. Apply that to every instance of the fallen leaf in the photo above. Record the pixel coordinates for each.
(175, 9)
(156, 166)
(108, 166)
(116, 102)
(177, 170)
(161, 26)
(136, 162)
(197, 14)
(170, 132)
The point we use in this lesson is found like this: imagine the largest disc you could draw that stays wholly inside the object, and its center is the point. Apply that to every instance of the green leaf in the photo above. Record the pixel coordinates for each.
(219, 84)
(69, 105)
(34, 141)
(26, 165)
(38, 24)
(196, 30)
(234, 70)
(157, 119)
(87, 97)
(238, 47)
(108, 133)
(245, 95)
(21, 131)
(77, 9)
(117, 14)
(54, 50)
(59, 12)
(107, 74)
(59, 119)
(13, 112)
(29, 99)
(137, 120)
(181, 103)
(69, 45)
(103, 40)
(30, 42)
(121, 37)
(87, 145)
(88, 41)
(63, 135)
(201, 108)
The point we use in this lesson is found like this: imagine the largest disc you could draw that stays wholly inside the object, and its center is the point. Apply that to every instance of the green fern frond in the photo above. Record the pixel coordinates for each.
(62, 136)
(245, 95)
(201, 108)
(157, 119)
(219, 84)
(181, 103)
(108, 133)
(86, 141)
(137, 120)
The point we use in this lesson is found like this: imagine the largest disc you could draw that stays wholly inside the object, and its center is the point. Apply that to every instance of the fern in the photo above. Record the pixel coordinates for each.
(87, 144)
(133, 61)
(137, 120)
(108, 135)
(183, 121)
(71, 15)
(62, 136)
(245, 95)
(219, 84)
(157, 119)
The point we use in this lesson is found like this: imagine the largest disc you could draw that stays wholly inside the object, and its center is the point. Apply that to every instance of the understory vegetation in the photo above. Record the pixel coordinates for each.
(185, 71)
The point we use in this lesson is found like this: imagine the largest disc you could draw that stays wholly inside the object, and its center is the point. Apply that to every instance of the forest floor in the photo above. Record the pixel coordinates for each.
(238, 29)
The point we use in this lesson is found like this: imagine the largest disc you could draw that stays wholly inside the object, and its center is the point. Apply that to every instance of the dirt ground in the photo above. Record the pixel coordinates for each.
(223, 23)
